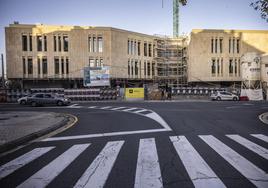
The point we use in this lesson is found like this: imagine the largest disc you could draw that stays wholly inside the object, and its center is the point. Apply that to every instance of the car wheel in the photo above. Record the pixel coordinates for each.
(33, 104)
(60, 103)
(218, 99)
(235, 99)
(23, 102)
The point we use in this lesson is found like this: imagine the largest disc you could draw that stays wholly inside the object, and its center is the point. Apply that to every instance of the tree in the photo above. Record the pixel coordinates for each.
(262, 6)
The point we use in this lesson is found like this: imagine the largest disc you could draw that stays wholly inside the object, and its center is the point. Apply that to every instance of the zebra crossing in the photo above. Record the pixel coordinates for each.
(148, 166)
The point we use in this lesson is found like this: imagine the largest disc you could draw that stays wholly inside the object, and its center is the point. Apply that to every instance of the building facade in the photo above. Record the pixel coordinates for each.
(55, 56)
(214, 55)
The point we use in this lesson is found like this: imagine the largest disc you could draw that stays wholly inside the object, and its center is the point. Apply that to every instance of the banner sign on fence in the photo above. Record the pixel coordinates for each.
(96, 76)
(134, 93)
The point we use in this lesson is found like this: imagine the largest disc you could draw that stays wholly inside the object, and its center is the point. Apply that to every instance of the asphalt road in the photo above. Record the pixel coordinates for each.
(149, 144)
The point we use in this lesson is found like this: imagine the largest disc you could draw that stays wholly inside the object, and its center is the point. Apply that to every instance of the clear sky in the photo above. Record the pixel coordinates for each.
(145, 16)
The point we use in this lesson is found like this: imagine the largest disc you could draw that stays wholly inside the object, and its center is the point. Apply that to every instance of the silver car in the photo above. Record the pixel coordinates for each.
(47, 99)
(23, 100)
(223, 95)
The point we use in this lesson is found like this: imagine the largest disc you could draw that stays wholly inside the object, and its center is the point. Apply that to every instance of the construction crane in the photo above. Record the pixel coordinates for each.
(176, 7)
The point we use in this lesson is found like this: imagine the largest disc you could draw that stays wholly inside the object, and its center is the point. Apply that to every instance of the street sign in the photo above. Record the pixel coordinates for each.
(96, 76)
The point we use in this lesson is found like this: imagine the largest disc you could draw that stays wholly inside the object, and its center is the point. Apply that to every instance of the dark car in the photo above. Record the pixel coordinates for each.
(47, 99)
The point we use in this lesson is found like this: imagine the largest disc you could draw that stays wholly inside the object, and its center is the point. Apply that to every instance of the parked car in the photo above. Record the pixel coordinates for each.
(47, 99)
(223, 95)
(24, 100)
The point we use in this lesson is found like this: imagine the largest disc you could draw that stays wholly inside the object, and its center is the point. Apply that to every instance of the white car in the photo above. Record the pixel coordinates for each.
(223, 95)
(23, 100)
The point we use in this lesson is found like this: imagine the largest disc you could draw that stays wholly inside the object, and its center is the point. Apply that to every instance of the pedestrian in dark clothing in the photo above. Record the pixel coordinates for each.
(162, 94)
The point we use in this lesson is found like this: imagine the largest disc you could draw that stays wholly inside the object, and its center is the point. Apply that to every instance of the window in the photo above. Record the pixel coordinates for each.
(94, 44)
(231, 66)
(144, 68)
(67, 65)
(150, 50)
(128, 68)
(233, 45)
(221, 45)
(47, 96)
(56, 66)
(128, 47)
(91, 62)
(55, 43)
(145, 49)
(31, 42)
(90, 44)
(139, 48)
(136, 68)
(148, 69)
(212, 45)
(135, 48)
(44, 65)
(24, 43)
(59, 43)
(218, 66)
(100, 44)
(230, 41)
(131, 67)
(153, 69)
(216, 45)
(38, 66)
(39, 96)
(24, 65)
(221, 66)
(45, 43)
(101, 62)
(97, 62)
(65, 43)
(213, 66)
(131, 47)
(238, 46)
(235, 68)
(30, 65)
(39, 43)
(62, 65)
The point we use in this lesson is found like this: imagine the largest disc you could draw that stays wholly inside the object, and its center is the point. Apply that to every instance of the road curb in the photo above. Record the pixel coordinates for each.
(264, 118)
(68, 119)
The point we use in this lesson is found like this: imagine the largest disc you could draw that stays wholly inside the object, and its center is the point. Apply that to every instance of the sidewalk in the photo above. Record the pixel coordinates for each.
(17, 128)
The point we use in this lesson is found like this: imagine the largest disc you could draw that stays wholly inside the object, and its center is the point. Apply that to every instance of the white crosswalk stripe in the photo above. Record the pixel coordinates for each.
(19, 162)
(98, 172)
(250, 145)
(44, 176)
(118, 108)
(92, 107)
(106, 107)
(199, 171)
(254, 174)
(129, 109)
(148, 172)
(139, 111)
(261, 137)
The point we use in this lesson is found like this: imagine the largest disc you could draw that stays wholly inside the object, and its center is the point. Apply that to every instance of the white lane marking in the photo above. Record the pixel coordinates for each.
(250, 145)
(148, 173)
(99, 170)
(19, 162)
(74, 106)
(261, 137)
(254, 174)
(44, 176)
(199, 171)
(118, 108)
(139, 111)
(92, 107)
(106, 107)
(158, 119)
(103, 135)
(129, 109)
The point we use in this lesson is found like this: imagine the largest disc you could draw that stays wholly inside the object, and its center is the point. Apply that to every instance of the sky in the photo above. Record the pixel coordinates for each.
(144, 16)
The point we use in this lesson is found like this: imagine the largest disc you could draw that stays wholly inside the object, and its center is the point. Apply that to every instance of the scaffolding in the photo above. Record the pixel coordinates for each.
(171, 61)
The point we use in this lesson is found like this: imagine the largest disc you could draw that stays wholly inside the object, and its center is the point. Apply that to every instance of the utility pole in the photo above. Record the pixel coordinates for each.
(3, 71)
